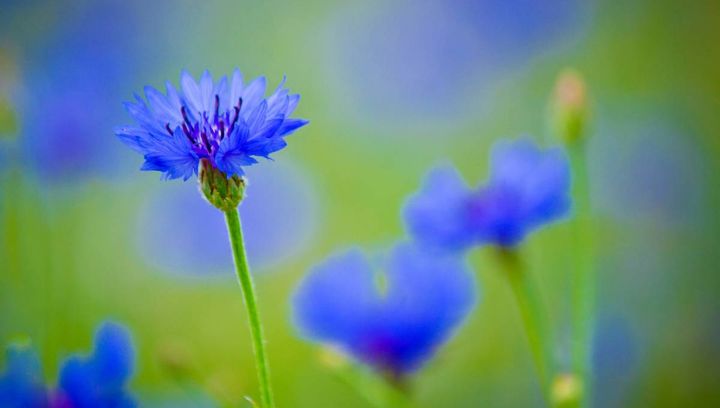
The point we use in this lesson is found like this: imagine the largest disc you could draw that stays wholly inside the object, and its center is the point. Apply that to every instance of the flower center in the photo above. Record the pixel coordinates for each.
(205, 132)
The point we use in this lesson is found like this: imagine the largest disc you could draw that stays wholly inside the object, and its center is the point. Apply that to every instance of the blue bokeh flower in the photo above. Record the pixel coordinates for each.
(416, 62)
(97, 380)
(393, 329)
(100, 379)
(22, 383)
(528, 187)
(63, 141)
(649, 170)
(227, 124)
(279, 213)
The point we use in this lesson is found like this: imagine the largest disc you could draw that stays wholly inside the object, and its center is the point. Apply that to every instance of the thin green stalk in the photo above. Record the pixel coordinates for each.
(375, 390)
(533, 315)
(583, 284)
(246, 284)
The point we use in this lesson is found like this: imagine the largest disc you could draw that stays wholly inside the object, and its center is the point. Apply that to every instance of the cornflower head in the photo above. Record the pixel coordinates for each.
(96, 380)
(217, 128)
(395, 327)
(528, 187)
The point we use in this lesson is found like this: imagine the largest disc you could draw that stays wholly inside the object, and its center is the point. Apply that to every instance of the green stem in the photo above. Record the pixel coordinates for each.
(246, 284)
(533, 315)
(583, 296)
(377, 391)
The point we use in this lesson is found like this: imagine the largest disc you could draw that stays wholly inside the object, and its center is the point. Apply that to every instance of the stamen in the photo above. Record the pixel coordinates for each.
(187, 133)
(217, 106)
(167, 127)
(206, 142)
(237, 115)
(185, 116)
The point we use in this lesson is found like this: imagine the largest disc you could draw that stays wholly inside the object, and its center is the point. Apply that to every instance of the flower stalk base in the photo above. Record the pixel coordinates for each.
(246, 284)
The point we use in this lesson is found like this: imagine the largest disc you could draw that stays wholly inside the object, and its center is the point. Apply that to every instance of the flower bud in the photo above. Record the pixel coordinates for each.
(566, 391)
(570, 106)
(223, 192)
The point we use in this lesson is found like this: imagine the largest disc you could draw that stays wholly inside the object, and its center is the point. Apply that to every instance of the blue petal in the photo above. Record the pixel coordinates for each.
(437, 215)
(263, 147)
(236, 87)
(429, 296)
(191, 92)
(277, 105)
(231, 155)
(134, 137)
(528, 187)
(222, 91)
(113, 356)
(256, 118)
(293, 101)
(166, 110)
(143, 116)
(337, 300)
(172, 155)
(253, 94)
(76, 383)
(206, 92)
(291, 125)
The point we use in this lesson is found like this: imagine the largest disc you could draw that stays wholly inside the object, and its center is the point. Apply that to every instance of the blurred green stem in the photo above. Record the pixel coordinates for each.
(376, 390)
(246, 284)
(532, 312)
(583, 279)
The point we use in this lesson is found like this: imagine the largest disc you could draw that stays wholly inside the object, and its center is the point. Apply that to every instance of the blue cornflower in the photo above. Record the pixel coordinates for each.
(393, 329)
(225, 126)
(279, 220)
(98, 380)
(528, 187)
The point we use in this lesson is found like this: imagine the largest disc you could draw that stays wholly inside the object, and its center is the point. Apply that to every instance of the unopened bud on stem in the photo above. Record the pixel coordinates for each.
(223, 192)
(570, 106)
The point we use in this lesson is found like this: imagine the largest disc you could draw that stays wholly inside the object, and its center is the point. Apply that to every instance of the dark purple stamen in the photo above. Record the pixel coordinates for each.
(187, 133)
(205, 134)
(167, 127)
(237, 115)
(185, 116)
(206, 142)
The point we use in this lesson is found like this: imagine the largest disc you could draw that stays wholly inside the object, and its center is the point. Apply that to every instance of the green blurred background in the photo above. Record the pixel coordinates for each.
(390, 88)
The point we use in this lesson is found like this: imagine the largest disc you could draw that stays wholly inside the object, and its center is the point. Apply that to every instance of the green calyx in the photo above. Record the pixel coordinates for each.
(223, 192)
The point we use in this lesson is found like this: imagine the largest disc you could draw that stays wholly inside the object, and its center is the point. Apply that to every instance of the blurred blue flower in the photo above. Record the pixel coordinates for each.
(528, 187)
(69, 67)
(279, 215)
(428, 59)
(229, 125)
(98, 380)
(394, 328)
(650, 170)
(22, 385)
